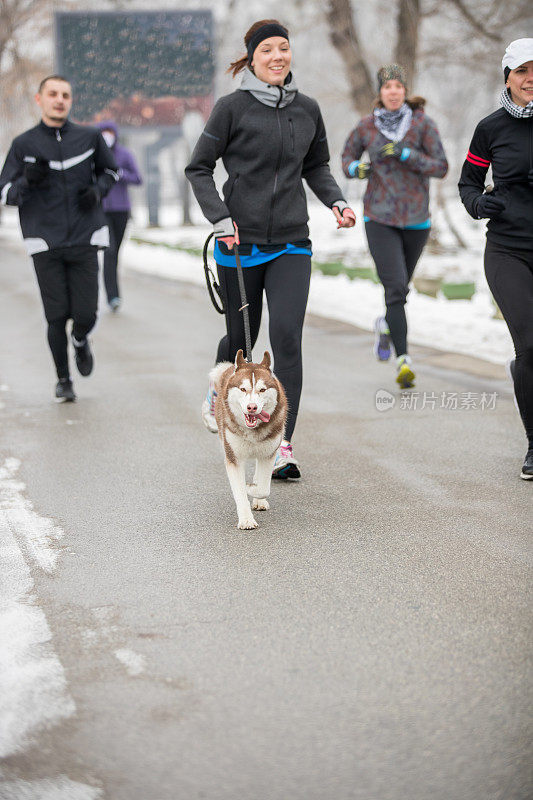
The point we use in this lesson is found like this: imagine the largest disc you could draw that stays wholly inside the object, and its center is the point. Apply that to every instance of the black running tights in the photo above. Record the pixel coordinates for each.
(285, 281)
(116, 221)
(510, 278)
(395, 252)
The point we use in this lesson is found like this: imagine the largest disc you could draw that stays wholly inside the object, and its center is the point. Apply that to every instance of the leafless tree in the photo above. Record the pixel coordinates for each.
(344, 38)
(19, 71)
(485, 22)
(408, 26)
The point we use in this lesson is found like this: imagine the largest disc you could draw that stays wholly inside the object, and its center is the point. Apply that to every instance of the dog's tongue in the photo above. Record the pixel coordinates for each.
(263, 416)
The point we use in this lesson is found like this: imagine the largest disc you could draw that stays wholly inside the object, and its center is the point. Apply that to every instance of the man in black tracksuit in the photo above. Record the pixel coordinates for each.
(504, 141)
(57, 173)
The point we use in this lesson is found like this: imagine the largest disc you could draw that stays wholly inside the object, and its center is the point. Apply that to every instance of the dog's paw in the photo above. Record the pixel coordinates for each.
(260, 504)
(247, 524)
(253, 491)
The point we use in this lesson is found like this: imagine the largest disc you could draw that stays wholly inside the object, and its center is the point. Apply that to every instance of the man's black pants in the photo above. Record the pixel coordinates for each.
(68, 280)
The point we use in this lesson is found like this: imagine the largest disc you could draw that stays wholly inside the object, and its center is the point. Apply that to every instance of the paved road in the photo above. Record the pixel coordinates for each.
(369, 641)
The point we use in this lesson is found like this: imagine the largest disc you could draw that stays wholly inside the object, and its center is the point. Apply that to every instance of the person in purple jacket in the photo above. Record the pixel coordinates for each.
(117, 208)
(405, 151)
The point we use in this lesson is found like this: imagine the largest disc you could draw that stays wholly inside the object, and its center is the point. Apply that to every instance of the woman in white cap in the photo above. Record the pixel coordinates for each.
(269, 136)
(504, 141)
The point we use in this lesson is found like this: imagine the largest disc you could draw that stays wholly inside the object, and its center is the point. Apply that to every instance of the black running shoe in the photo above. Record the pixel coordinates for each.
(84, 356)
(527, 469)
(65, 391)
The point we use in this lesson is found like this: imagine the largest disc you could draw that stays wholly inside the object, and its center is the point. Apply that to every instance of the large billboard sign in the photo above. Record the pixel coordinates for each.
(140, 68)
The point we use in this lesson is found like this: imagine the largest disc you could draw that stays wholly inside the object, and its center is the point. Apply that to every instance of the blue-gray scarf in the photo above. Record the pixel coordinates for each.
(393, 124)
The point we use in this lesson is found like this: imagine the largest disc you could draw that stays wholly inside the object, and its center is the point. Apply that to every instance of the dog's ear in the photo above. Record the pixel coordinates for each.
(266, 360)
(239, 360)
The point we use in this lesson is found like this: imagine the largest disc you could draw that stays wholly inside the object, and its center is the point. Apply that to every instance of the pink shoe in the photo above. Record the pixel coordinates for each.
(285, 466)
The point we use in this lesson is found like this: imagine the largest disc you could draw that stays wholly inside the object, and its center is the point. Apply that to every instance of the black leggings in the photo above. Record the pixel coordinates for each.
(117, 221)
(510, 278)
(395, 252)
(285, 281)
(68, 280)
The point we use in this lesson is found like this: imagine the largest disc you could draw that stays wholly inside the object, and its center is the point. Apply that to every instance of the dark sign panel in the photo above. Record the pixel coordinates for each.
(141, 68)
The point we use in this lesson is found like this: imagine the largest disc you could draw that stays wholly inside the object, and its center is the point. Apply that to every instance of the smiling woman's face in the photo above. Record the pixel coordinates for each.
(520, 84)
(272, 60)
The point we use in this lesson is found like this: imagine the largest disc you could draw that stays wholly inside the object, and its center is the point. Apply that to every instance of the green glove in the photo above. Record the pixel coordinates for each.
(395, 150)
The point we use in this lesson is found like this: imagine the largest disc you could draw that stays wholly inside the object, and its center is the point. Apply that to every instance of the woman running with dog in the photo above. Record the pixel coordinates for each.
(405, 150)
(269, 136)
(504, 141)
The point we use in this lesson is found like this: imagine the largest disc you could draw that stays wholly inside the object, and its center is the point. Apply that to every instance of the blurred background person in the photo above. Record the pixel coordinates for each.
(405, 150)
(117, 208)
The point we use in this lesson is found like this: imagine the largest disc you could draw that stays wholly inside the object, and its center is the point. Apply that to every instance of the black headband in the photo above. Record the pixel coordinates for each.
(265, 32)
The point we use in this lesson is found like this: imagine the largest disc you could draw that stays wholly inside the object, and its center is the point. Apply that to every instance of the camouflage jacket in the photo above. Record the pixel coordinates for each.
(398, 191)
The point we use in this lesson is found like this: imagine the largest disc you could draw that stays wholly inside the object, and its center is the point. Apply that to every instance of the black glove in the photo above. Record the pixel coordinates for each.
(89, 197)
(393, 149)
(36, 173)
(488, 206)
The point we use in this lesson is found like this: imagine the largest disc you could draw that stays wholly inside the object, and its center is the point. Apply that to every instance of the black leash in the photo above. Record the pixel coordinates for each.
(213, 286)
(244, 306)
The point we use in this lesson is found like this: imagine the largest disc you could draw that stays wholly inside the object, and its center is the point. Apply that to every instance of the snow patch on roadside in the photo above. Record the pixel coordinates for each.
(38, 533)
(59, 789)
(134, 662)
(33, 687)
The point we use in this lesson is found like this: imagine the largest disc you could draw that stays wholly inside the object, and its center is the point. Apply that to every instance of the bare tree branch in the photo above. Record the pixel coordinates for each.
(344, 38)
(474, 22)
(405, 52)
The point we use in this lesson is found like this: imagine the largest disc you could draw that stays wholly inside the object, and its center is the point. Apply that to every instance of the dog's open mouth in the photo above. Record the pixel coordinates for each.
(253, 419)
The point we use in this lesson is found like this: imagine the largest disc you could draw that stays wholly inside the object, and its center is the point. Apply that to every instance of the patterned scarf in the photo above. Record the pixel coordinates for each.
(513, 109)
(393, 124)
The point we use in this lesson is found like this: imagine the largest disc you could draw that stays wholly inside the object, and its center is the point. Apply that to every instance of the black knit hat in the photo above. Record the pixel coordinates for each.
(265, 32)
(391, 72)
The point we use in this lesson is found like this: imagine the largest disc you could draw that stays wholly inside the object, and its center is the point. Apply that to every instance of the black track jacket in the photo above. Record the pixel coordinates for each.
(50, 215)
(505, 143)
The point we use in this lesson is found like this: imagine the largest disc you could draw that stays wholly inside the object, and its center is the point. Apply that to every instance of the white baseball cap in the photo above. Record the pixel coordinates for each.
(518, 52)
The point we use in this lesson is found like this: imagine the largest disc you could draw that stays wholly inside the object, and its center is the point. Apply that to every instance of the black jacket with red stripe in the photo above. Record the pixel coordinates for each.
(50, 214)
(505, 143)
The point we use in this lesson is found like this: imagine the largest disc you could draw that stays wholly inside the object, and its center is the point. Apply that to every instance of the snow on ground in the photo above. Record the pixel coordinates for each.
(61, 788)
(33, 687)
(459, 326)
(32, 681)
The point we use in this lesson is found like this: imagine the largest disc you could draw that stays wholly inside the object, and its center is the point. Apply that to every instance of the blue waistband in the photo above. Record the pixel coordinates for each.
(421, 226)
(251, 255)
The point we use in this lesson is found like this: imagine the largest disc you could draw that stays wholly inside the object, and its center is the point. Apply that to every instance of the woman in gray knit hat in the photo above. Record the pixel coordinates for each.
(405, 150)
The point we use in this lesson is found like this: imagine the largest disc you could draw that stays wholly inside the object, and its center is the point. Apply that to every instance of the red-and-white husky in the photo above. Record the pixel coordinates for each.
(251, 411)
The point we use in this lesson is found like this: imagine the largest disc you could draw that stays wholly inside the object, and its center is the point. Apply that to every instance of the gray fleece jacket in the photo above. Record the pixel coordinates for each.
(269, 138)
